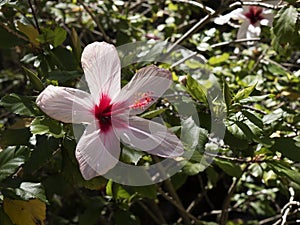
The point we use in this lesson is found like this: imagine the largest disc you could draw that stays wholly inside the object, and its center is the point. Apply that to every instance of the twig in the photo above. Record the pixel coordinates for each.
(155, 218)
(254, 109)
(234, 42)
(34, 16)
(204, 192)
(192, 30)
(198, 4)
(268, 220)
(287, 208)
(106, 38)
(261, 4)
(179, 207)
(224, 214)
(238, 160)
(13, 32)
(157, 211)
(176, 198)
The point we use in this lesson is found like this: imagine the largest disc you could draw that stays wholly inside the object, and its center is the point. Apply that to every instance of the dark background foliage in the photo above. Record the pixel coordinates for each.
(253, 180)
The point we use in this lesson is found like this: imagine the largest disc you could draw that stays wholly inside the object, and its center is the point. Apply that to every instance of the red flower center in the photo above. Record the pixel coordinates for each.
(102, 112)
(254, 14)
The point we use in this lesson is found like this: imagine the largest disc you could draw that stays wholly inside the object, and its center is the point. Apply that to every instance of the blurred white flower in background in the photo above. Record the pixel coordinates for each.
(252, 17)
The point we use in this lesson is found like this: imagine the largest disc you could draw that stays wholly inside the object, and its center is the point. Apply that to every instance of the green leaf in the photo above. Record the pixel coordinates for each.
(284, 170)
(77, 50)
(276, 115)
(244, 93)
(288, 147)
(45, 125)
(149, 191)
(34, 79)
(229, 167)
(253, 118)
(196, 90)
(116, 191)
(11, 159)
(192, 136)
(20, 105)
(55, 37)
(218, 59)
(131, 156)
(191, 168)
(227, 94)
(109, 189)
(42, 153)
(284, 24)
(245, 129)
(9, 40)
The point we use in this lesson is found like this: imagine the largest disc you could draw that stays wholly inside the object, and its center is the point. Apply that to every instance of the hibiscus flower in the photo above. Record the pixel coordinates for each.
(252, 18)
(109, 112)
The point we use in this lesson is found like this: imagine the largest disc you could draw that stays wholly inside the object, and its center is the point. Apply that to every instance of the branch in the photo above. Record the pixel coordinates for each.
(231, 190)
(287, 208)
(177, 200)
(261, 4)
(234, 42)
(34, 16)
(179, 207)
(198, 4)
(154, 217)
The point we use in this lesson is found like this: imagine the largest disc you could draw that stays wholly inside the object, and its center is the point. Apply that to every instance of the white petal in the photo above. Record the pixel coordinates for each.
(242, 32)
(147, 85)
(102, 69)
(151, 137)
(236, 14)
(268, 18)
(253, 31)
(68, 105)
(97, 152)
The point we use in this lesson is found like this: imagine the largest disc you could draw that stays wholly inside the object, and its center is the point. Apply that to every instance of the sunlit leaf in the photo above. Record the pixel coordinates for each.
(45, 125)
(34, 79)
(218, 59)
(253, 118)
(231, 168)
(244, 93)
(20, 105)
(191, 168)
(194, 88)
(284, 25)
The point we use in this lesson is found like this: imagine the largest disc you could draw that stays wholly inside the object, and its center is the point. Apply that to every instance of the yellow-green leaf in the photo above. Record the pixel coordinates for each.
(30, 32)
(32, 212)
(244, 93)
